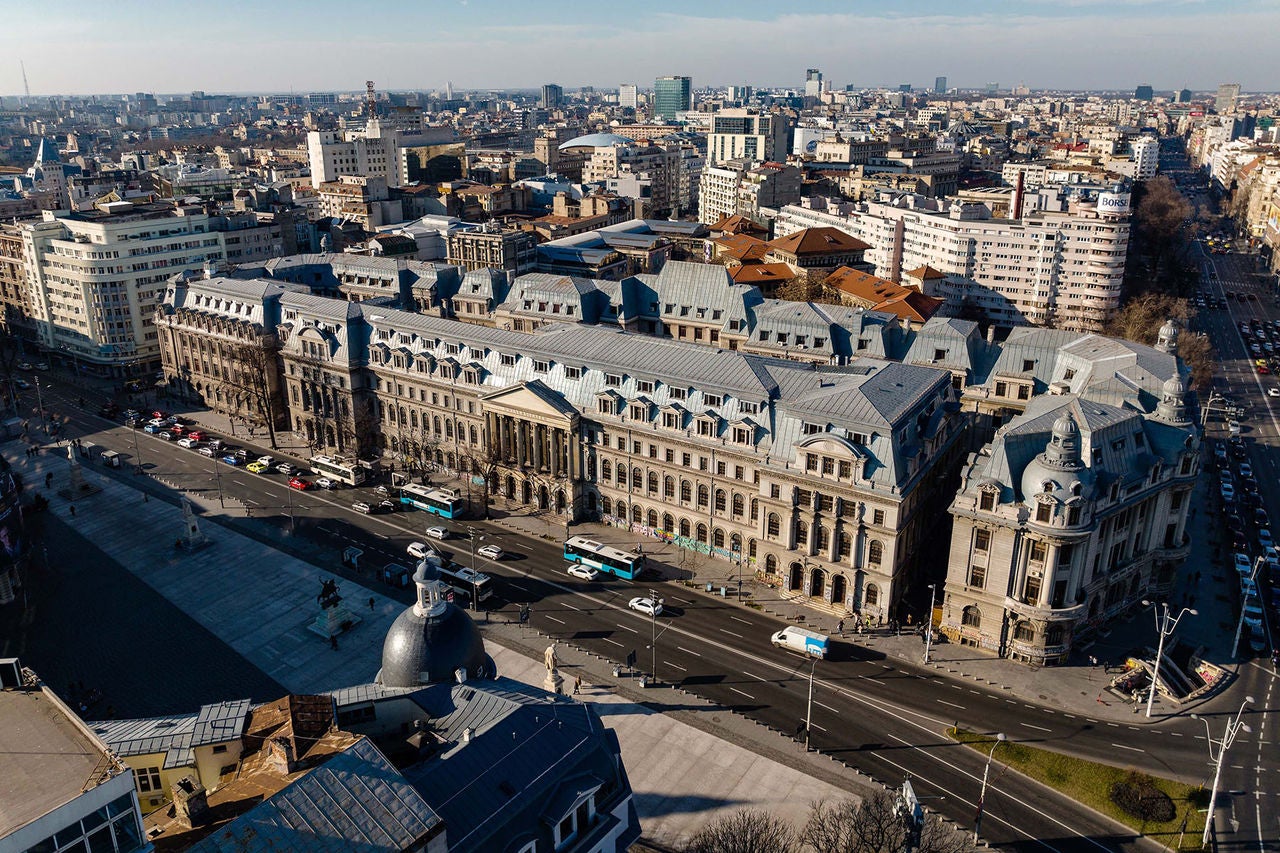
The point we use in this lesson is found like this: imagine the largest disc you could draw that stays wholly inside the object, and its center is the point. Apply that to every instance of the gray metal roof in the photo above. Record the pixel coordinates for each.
(354, 801)
(144, 737)
(220, 722)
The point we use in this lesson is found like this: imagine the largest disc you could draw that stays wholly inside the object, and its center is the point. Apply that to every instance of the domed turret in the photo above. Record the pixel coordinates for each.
(1059, 469)
(432, 639)
(1167, 338)
(1172, 408)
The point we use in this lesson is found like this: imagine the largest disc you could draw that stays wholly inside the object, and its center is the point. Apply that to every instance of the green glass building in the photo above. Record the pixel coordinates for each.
(672, 95)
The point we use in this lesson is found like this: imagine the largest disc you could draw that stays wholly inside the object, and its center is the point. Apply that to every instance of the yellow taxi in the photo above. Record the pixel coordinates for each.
(258, 467)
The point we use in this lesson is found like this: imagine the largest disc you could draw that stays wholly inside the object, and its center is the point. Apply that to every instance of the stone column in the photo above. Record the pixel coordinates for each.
(522, 445)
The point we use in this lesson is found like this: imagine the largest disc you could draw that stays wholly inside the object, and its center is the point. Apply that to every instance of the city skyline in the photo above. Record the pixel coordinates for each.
(1043, 45)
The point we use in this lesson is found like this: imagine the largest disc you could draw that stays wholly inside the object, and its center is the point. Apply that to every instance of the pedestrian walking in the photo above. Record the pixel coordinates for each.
(840, 628)
(73, 510)
(908, 620)
(577, 684)
(371, 602)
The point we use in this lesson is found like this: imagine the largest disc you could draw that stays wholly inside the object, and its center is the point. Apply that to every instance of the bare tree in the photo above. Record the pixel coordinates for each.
(876, 825)
(745, 831)
(1141, 318)
(1158, 218)
(255, 367)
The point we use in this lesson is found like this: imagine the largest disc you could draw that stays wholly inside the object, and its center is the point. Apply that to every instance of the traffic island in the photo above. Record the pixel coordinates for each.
(1169, 812)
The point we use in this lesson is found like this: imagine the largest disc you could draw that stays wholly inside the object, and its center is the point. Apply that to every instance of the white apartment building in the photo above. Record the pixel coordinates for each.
(748, 133)
(96, 277)
(628, 96)
(1146, 157)
(718, 193)
(1058, 269)
(370, 152)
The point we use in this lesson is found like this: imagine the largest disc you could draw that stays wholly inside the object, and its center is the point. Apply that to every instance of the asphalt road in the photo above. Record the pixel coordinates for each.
(883, 717)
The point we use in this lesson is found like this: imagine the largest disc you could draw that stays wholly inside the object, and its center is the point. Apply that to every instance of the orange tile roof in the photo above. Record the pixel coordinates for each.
(926, 272)
(912, 305)
(861, 285)
(737, 224)
(741, 247)
(761, 274)
(818, 241)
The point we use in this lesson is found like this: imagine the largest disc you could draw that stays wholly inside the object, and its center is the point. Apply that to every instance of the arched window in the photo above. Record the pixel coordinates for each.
(1053, 635)
(802, 533)
(621, 509)
(637, 478)
(717, 538)
(703, 496)
(844, 543)
(686, 491)
(622, 475)
(823, 538)
(668, 522)
(448, 428)
(720, 500)
(701, 533)
(873, 595)
(972, 617)
(637, 514)
(606, 506)
(875, 552)
(652, 519)
(738, 504)
(755, 509)
(751, 547)
(735, 543)
(773, 525)
(606, 470)
(771, 564)
(1024, 632)
(669, 487)
(653, 483)
(684, 527)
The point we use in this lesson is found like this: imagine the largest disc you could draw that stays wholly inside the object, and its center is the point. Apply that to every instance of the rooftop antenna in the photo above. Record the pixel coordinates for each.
(25, 87)
(370, 100)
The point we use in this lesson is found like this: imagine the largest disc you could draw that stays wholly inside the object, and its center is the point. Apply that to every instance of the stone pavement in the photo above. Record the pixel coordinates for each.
(260, 602)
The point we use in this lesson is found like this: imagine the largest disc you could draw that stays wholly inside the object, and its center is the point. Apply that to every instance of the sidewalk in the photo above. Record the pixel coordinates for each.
(689, 761)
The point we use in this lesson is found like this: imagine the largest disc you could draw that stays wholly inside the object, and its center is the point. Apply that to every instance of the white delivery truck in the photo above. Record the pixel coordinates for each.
(802, 640)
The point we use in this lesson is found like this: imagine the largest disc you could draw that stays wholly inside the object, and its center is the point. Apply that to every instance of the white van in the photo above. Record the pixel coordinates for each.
(801, 640)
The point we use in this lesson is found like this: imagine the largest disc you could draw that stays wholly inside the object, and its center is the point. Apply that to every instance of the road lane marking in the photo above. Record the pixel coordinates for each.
(571, 607)
(1130, 748)
(740, 693)
(554, 619)
(872, 680)
(615, 642)
(756, 677)
(1037, 728)
(736, 619)
(676, 665)
(816, 726)
(517, 586)
(952, 704)
(731, 634)
(689, 651)
(632, 630)
(828, 707)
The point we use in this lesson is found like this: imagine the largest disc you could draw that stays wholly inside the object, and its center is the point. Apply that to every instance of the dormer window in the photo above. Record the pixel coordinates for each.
(987, 500)
(613, 380)
(644, 386)
(677, 393)
(712, 400)
(541, 366)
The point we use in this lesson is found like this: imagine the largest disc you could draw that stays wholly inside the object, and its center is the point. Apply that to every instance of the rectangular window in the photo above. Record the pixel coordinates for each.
(613, 380)
(828, 465)
(1044, 511)
(573, 373)
(644, 386)
(982, 540)
(987, 501)
(846, 470)
(1031, 591)
(148, 779)
(713, 400)
(677, 393)
(1038, 551)
(877, 518)
(977, 577)
(507, 360)
(541, 366)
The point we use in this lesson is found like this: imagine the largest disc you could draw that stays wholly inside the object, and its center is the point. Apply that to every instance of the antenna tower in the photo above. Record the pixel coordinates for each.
(371, 100)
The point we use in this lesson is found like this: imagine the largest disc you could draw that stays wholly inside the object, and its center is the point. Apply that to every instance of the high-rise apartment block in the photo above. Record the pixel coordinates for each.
(628, 96)
(939, 85)
(552, 96)
(1146, 157)
(812, 83)
(1144, 92)
(1228, 95)
(672, 95)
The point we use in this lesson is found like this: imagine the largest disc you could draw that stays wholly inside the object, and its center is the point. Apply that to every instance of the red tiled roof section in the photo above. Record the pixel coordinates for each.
(767, 274)
(818, 241)
(741, 247)
(737, 224)
(926, 273)
(863, 285)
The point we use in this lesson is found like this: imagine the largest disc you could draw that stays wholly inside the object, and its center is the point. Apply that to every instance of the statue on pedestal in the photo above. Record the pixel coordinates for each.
(192, 537)
(334, 617)
(554, 681)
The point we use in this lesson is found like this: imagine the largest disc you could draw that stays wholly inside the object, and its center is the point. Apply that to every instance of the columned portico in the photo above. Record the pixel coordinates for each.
(536, 441)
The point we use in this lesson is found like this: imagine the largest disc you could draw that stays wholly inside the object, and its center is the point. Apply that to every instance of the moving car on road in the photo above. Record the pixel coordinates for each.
(299, 483)
(580, 570)
(646, 605)
(493, 552)
(438, 533)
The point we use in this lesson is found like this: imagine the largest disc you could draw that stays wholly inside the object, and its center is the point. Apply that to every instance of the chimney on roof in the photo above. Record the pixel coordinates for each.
(280, 756)
(190, 802)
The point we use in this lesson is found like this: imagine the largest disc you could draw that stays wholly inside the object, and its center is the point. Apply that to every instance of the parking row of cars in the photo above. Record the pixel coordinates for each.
(1255, 557)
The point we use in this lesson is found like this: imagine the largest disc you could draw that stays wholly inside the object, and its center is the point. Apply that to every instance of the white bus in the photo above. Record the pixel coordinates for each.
(445, 503)
(353, 472)
(623, 564)
(475, 586)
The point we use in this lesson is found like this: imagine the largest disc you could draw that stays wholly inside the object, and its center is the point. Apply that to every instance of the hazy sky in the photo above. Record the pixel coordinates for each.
(75, 47)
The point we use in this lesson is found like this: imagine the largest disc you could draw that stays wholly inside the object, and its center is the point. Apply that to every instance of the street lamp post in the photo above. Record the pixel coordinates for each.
(982, 793)
(928, 625)
(44, 422)
(1164, 628)
(808, 714)
(472, 534)
(1234, 727)
(653, 634)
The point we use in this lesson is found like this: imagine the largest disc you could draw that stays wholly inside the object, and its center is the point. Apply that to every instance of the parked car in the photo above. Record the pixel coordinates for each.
(388, 506)
(285, 468)
(1244, 566)
(189, 443)
(493, 552)
(438, 533)
(361, 506)
(257, 468)
(198, 435)
(267, 460)
(326, 483)
(231, 459)
(165, 434)
(578, 570)
(1265, 542)
(299, 483)
(1246, 470)
(646, 605)
(1252, 612)
(209, 451)
(153, 429)
(1228, 492)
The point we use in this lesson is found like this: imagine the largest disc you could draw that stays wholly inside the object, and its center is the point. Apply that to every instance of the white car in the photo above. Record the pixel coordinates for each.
(1273, 392)
(421, 550)
(326, 483)
(438, 533)
(647, 606)
(267, 460)
(578, 570)
(208, 451)
(189, 443)
(285, 468)
(493, 552)
(1244, 566)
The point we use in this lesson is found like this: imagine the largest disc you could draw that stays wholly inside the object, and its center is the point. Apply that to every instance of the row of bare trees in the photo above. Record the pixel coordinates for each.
(874, 825)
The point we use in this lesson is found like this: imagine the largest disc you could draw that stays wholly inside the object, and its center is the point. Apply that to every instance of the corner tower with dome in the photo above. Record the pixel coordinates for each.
(1073, 513)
